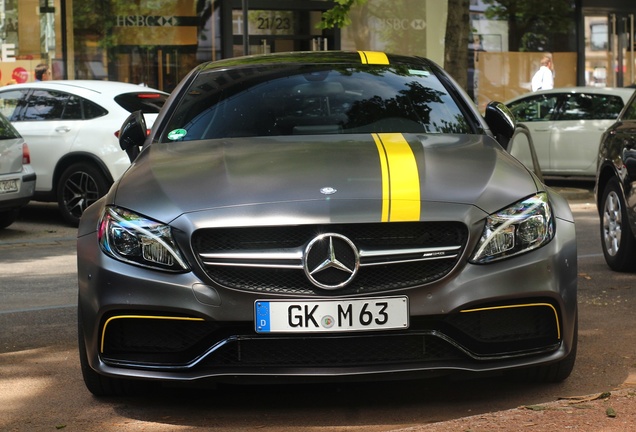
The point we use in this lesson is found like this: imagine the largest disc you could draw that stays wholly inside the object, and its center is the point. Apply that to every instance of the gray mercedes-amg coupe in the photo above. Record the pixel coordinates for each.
(336, 215)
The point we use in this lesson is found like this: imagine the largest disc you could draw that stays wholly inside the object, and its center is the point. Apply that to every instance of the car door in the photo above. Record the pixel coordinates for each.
(580, 121)
(536, 112)
(49, 136)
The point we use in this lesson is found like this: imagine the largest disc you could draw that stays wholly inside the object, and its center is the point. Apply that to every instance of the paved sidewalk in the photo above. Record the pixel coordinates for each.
(613, 411)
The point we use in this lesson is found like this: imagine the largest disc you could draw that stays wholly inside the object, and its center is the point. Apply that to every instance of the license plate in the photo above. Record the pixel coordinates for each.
(7, 186)
(382, 313)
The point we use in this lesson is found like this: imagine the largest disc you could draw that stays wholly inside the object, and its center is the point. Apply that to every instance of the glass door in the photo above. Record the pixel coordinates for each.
(160, 67)
(271, 31)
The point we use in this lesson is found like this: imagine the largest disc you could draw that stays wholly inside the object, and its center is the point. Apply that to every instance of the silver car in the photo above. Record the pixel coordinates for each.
(331, 214)
(17, 178)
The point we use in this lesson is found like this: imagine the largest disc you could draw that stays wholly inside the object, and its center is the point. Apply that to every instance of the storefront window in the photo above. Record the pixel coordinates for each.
(411, 27)
(28, 39)
(150, 42)
(271, 29)
(514, 37)
(157, 42)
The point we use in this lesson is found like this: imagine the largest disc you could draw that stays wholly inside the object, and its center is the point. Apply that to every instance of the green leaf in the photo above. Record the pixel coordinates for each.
(338, 16)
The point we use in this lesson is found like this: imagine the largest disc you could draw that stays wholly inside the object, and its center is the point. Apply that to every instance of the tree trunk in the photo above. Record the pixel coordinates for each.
(456, 42)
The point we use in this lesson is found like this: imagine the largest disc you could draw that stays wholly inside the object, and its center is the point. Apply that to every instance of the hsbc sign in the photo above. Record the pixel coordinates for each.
(146, 21)
(402, 24)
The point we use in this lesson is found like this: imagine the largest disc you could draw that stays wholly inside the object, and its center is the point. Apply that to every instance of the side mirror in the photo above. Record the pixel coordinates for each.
(133, 134)
(501, 122)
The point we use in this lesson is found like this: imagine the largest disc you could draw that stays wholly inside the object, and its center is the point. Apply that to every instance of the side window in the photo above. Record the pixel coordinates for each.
(11, 102)
(7, 131)
(92, 110)
(45, 105)
(532, 109)
(72, 109)
(591, 107)
(611, 105)
(630, 112)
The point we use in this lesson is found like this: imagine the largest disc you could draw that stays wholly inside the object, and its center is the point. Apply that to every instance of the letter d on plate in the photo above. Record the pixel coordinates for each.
(262, 316)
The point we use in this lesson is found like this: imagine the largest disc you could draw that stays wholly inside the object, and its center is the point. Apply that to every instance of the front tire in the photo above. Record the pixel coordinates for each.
(8, 217)
(617, 240)
(553, 372)
(80, 185)
(101, 385)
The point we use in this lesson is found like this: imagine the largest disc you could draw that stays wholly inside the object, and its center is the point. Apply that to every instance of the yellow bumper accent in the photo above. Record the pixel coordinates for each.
(556, 315)
(101, 345)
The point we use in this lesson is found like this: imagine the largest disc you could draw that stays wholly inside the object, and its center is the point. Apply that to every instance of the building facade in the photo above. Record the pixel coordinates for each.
(156, 42)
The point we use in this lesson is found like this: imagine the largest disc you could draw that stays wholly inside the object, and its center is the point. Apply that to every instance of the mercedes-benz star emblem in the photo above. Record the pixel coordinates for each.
(328, 191)
(331, 261)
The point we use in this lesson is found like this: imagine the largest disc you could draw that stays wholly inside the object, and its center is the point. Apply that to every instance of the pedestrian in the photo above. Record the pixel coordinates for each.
(42, 72)
(543, 79)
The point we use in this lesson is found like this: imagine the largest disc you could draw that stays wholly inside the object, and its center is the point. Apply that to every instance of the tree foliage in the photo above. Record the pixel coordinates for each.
(338, 16)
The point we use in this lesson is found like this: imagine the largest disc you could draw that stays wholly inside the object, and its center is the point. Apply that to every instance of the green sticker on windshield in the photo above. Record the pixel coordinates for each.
(177, 134)
(419, 72)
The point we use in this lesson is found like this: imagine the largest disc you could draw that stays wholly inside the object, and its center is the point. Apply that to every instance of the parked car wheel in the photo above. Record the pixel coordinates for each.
(80, 185)
(617, 241)
(7, 218)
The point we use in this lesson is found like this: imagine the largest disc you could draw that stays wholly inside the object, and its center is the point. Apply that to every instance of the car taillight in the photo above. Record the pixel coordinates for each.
(149, 95)
(26, 154)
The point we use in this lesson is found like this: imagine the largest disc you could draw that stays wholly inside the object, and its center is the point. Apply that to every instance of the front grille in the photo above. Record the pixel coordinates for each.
(270, 259)
(334, 351)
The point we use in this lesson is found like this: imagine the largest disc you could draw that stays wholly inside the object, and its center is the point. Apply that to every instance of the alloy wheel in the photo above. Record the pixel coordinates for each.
(612, 223)
(80, 191)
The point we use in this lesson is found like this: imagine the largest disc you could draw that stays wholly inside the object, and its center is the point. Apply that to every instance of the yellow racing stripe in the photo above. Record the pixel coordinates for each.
(373, 57)
(400, 178)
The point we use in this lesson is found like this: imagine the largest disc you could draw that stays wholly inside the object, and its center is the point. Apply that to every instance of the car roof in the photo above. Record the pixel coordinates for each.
(315, 57)
(623, 92)
(97, 86)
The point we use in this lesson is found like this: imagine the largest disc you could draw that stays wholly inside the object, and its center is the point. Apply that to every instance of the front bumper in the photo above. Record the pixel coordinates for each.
(141, 323)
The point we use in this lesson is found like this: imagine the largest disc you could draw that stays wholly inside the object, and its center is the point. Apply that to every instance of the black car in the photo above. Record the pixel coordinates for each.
(324, 215)
(616, 190)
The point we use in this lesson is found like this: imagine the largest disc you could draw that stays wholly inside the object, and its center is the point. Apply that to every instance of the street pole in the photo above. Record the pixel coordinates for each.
(246, 44)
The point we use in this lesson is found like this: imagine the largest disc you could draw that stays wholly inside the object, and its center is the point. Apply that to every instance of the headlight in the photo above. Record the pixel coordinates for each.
(520, 228)
(129, 237)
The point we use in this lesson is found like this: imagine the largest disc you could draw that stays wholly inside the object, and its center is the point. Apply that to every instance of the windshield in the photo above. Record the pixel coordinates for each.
(314, 99)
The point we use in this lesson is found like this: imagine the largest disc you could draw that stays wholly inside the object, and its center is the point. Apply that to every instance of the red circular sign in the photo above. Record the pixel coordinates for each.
(20, 75)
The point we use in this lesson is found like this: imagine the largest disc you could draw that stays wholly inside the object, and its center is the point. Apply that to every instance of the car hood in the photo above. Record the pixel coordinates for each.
(327, 178)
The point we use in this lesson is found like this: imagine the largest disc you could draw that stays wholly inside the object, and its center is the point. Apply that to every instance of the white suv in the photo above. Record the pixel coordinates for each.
(71, 129)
